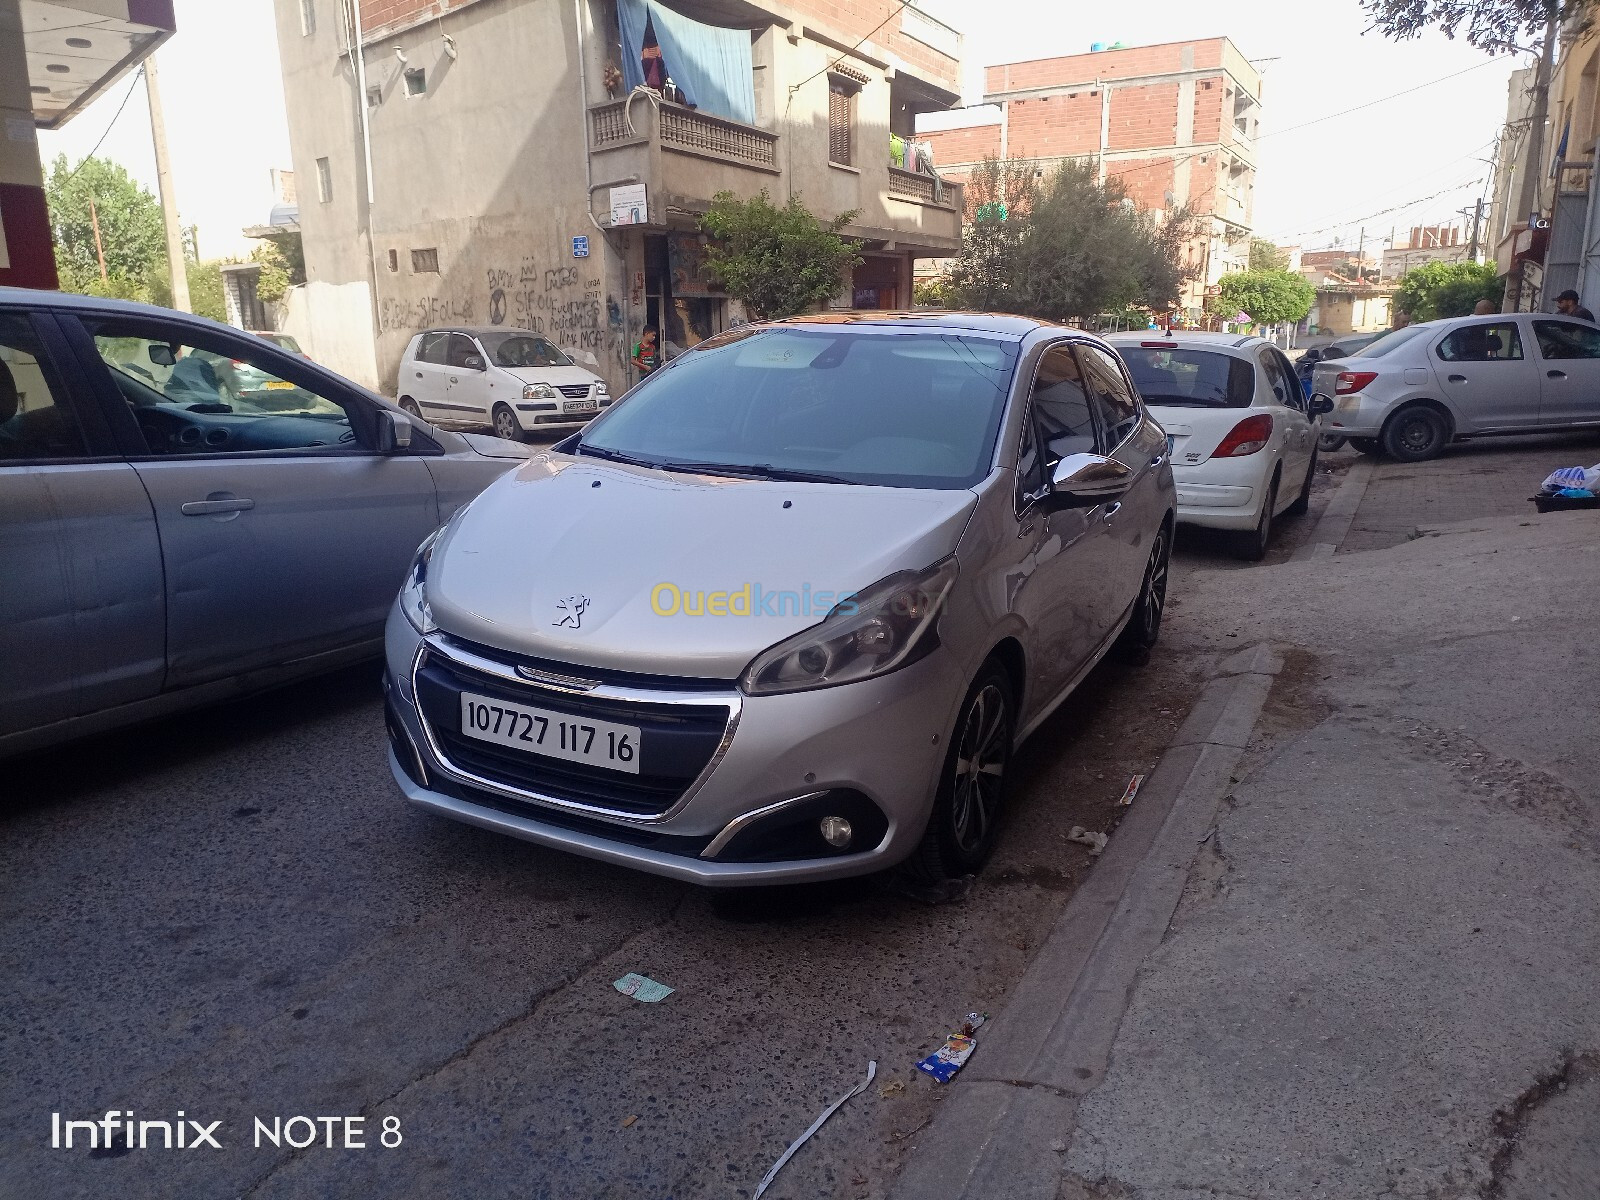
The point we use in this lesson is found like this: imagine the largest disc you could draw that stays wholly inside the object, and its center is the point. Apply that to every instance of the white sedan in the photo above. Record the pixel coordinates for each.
(511, 379)
(1242, 435)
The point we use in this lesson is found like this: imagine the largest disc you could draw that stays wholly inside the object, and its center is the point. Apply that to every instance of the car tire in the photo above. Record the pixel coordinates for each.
(1144, 626)
(1252, 544)
(972, 784)
(1415, 434)
(1329, 443)
(1302, 502)
(506, 424)
(1366, 446)
(411, 407)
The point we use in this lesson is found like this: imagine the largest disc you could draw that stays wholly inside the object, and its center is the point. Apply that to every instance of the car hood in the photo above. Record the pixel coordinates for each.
(563, 559)
(554, 376)
(497, 447)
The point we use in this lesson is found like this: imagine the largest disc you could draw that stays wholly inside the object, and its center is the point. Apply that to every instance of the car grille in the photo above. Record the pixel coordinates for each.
(677, 740)
(573, 391)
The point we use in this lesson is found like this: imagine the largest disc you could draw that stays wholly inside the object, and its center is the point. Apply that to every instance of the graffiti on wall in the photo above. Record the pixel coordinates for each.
(555, 301)
(399, 313)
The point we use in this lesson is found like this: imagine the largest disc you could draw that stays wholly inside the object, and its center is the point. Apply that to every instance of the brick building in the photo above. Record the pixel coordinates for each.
(1176, 123)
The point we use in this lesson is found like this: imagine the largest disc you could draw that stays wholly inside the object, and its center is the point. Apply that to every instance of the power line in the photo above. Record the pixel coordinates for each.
(126, 96)
(1386, 211)
(893, 13)
(1382, 99)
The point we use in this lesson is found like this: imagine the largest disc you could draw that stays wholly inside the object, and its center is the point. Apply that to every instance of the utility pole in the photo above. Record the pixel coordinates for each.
(1476, 214)
(169, 199)
(1528, 198)
(99, 246)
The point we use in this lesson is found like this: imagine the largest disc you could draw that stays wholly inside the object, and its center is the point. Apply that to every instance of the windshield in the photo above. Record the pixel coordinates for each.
(1190, 378)
(1390, 341)
(286, 342)
(522, 350)
(849, 404)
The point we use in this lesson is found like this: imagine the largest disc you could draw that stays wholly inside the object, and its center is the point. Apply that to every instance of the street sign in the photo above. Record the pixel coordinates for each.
(630, 205)
(580, 246)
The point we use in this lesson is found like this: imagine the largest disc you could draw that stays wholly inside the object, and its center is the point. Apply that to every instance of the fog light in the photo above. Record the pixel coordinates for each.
(836, 832)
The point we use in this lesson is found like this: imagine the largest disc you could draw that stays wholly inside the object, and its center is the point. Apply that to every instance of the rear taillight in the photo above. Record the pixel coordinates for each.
(1351, 382)
(1247, 437)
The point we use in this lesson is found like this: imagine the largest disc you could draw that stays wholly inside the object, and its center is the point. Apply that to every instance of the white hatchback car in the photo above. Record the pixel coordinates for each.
(1243, 436)
(511, 379)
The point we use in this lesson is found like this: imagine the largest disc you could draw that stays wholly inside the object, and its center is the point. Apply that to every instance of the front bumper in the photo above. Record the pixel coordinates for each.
(874, 748)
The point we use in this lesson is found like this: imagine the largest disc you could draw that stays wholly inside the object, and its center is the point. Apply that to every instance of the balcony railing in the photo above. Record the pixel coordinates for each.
(917, 186)
(684, 130)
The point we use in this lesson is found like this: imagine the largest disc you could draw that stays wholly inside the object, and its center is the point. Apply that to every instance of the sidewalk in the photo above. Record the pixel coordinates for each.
(1383, 976)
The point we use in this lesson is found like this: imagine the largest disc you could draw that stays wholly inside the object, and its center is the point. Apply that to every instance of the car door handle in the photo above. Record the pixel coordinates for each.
(202, 508)
(1556, 374)
(1158, 459)
(453, 379)
(1458, 379)
(1111, 511)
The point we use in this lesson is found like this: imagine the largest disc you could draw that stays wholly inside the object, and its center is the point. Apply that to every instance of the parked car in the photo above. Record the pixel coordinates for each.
(1342, 348)
(1243, 435)
(251, 384)
(511, 379)
(165, 544)
(784, 613)
(1411, 394)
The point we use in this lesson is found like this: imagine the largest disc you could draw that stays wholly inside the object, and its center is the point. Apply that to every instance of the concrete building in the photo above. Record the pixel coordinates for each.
(55, 58)
(1175, 123)
(501, 162)
(1426, 244)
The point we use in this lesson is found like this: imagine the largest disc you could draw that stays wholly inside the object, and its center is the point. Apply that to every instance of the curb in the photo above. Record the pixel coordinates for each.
(1004, 1125)
(1336, 519)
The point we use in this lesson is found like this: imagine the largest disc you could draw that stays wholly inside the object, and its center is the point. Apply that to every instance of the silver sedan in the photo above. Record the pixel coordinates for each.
(167, 541)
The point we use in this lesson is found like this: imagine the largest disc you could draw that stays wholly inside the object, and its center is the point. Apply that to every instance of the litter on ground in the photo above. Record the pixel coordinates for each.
(1131, 791)
(1095, 841)
(766, 1180)
(642, 988)
(949, 1058)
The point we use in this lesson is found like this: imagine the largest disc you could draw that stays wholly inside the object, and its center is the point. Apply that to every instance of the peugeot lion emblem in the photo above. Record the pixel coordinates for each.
(571, 610)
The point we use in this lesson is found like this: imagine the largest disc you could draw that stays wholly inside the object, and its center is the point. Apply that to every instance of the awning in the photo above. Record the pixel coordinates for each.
(76, 49)
(710, 64)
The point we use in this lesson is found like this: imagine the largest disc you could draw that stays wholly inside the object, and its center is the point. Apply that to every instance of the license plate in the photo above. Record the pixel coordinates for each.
(279, 385)
(578, 406)
(552, 734)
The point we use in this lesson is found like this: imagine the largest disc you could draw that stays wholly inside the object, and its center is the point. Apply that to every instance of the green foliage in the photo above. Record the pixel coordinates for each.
(780, 261)
(1270, 297)
(1265, 256)
(1498, 26)
(283, 265)
(1438, 289)
(1067, 246)
(929, 293)
(131, 229)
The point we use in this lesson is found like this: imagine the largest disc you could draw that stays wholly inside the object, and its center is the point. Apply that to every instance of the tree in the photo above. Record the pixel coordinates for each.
(1438, 289)
(283, 265)
(1265, 256)
(131, 229)
(1069, 247)
(780, 261)
(1269, 297)
(1498, 26)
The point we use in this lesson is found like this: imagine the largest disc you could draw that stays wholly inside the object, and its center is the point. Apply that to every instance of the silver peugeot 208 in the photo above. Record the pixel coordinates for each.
(785, 611)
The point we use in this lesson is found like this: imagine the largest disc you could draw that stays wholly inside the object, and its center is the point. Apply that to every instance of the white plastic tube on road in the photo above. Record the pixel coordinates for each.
(766, 1180)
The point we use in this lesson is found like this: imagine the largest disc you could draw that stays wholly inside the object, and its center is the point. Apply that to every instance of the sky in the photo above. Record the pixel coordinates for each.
(1412, 160)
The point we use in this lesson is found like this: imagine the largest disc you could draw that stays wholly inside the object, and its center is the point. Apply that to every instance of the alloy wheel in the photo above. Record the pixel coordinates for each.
(1153, 599)
(979, 767)
(505, 425)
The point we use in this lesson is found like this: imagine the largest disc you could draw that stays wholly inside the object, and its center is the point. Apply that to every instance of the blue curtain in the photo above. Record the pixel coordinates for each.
(712, 65)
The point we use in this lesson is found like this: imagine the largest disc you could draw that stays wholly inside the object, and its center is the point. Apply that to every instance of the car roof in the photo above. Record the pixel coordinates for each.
(1004, 325)
(1236, 344)
(480, 330)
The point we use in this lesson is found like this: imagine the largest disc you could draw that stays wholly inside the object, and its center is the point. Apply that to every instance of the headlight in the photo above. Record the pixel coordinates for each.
(890, 625)
(413, 593)
(538, 391)
(601, 388)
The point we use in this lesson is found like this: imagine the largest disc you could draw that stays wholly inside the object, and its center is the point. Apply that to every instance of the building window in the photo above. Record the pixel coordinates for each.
(324, 180)
(308, 17)
(394, 260)
(425, 261)
(416, 81)
(841, 118)
(374, 95)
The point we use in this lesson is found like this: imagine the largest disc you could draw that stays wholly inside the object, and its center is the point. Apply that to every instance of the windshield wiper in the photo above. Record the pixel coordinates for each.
(755, 471)
(614, 455)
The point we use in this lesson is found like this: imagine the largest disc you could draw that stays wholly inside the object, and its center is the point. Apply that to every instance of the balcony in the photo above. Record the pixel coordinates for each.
(683, 156)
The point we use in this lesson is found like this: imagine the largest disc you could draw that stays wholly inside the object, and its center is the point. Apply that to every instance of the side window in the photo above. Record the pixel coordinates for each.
(461, 349)
(1030, 466)
(1482, 343)
(35, 418)
(1567, 339)
(214, 398)
(1061, 417)
(1117, 409)
(432, 348)
(1282, 383)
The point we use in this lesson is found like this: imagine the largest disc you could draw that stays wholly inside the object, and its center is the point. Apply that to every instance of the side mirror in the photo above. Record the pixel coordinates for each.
(1313, 355)
(472, 363)
(1319, 406)
(394, 431)
(1084, 480)
(161, 354)
(1331, 352)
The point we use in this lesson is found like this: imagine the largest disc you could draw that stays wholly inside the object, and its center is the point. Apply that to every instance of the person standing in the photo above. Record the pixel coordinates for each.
(1568, 304)
(646, 352)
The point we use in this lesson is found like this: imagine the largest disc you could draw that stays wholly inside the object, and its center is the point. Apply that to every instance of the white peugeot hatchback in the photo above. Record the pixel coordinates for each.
(511, 379)
(1242, 434)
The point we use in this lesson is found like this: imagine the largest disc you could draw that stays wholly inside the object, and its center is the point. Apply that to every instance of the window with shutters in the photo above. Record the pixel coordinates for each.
(841, 118)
